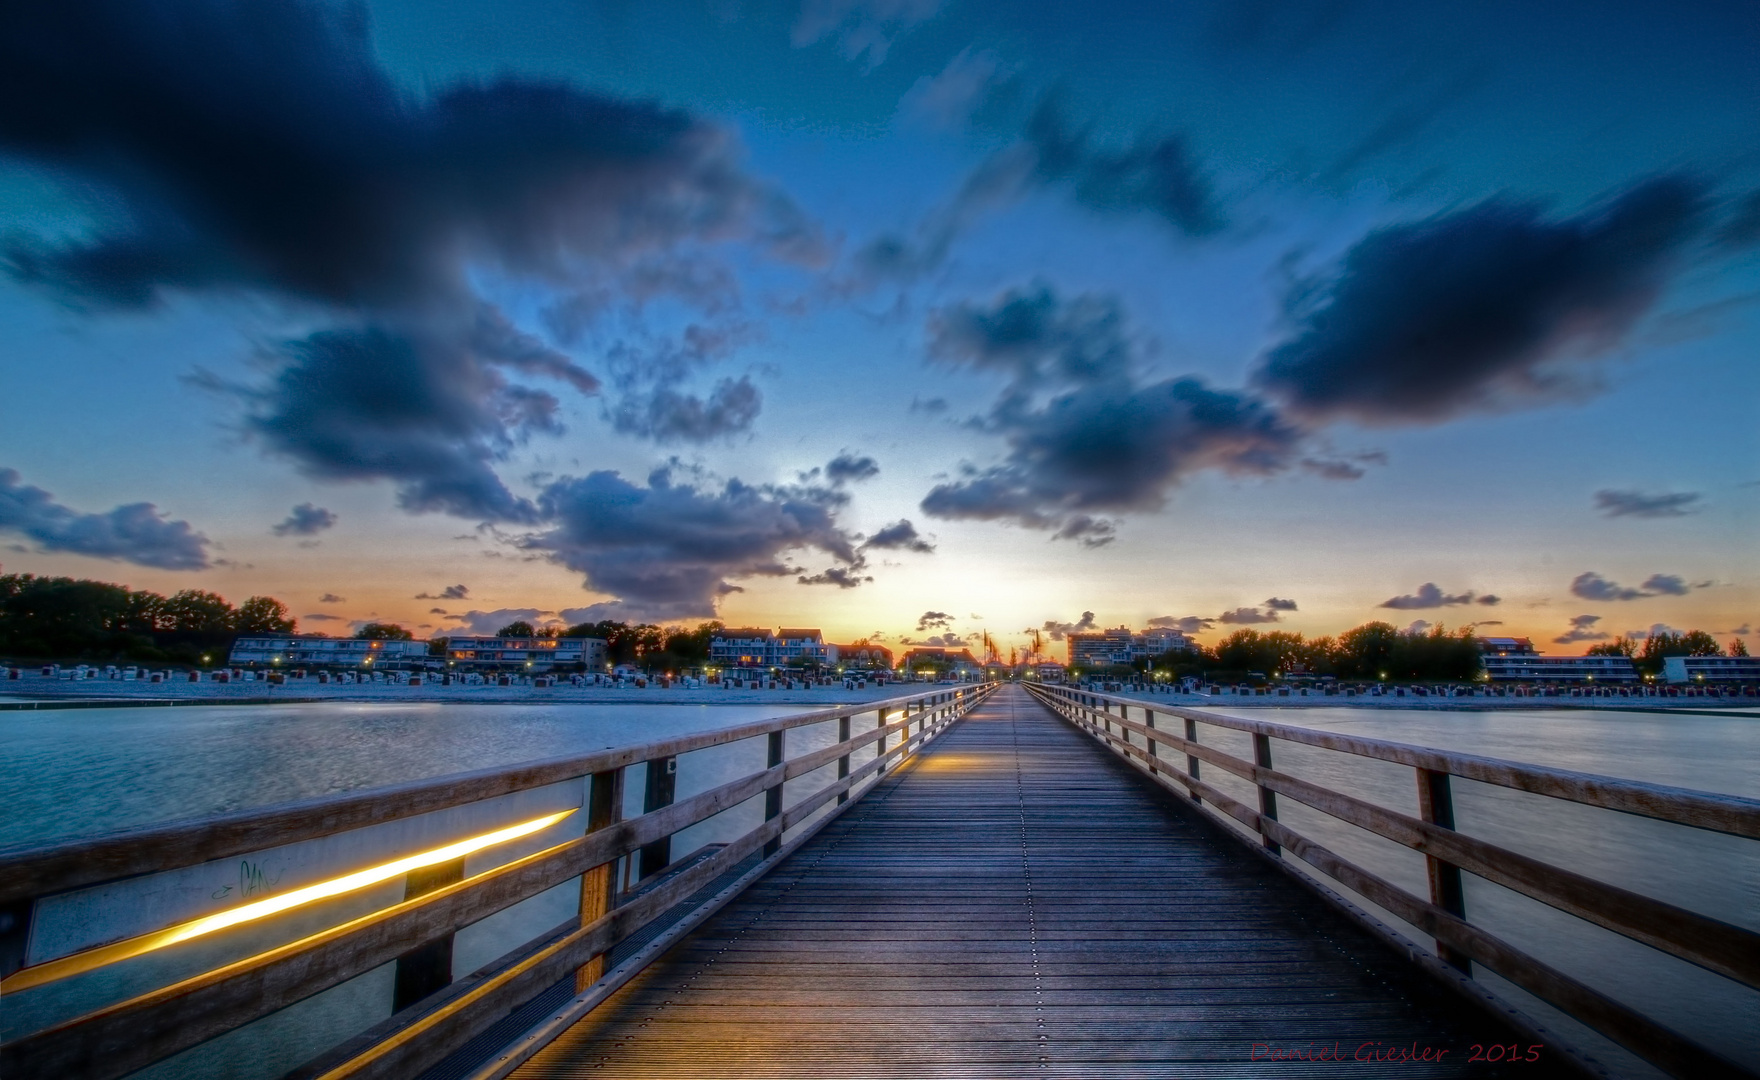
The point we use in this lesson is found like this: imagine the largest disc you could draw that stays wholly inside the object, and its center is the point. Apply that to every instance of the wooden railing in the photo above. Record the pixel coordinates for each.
(1174, 756)
(433, 1015)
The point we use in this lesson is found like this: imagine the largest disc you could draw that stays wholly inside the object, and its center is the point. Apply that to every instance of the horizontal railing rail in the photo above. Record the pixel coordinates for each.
(434, 1016)
(1730, 951)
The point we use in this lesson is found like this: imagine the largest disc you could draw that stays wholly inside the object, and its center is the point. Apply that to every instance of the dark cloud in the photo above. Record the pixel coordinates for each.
(941, 641)
(1489, 600)
(667, 416)
(332, 598)
(932, 406)
(1114, 447)
(846, 468)
(1479, 308)
(1612, 503)
(668, 550)
(135, 533)
(438, 611)
(450, 592)
(1667, 585)
(1430, 596)
(483, 623)
(860, 27)
(1034, 336)
(322, 617)
(1156, 175)
(1592, 586)
(1084, 435)
(422, 410)
(1057, 631)
(229, 147)
(1088, 531)
(262, 147)
(1582, 629)
(899, 536)
(1280, 604)
(305, 520)
(1249, 616)
(840, 576)
(1185, 624)
(931, 619)
(1343, 468)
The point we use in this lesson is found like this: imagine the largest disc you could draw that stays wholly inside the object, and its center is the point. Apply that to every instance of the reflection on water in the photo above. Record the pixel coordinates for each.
(1710, 873)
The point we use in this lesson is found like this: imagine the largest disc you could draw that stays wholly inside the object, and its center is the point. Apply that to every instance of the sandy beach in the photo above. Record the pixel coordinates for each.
(33, 688)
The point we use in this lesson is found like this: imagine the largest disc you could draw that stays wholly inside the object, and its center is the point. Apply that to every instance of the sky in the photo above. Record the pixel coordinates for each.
(908, 319)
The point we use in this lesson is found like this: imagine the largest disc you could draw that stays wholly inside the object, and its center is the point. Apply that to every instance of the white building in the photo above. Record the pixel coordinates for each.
(532, 654)
(1530, 667)
(756, 647)
(1121, 646)
(1711, 669)
(308, 650)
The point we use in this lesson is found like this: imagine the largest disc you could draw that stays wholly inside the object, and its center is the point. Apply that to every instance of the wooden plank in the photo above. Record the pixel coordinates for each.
(430, 1039)
(1664, 1047)
(1003, 903)
(1729, 950)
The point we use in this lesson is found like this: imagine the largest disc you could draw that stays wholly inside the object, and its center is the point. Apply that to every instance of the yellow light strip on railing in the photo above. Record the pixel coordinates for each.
(90, 959)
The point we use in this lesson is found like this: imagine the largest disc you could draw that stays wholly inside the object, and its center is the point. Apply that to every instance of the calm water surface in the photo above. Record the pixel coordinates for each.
(69, 773)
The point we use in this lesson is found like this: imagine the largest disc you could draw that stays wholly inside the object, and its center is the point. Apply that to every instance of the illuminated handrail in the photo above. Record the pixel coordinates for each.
(1730, 951)
(123, 1037)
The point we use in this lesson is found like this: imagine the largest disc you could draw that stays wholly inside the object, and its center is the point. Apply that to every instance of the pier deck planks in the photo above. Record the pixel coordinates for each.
(1016, 902)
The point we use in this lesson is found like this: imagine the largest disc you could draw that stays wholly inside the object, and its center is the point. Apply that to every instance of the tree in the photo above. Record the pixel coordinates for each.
(1663, 644)
(380, 631)
(1367, 651)
(1738, 647)
(264, 615)
(518, 628)
(193, 611)
(1620, 646)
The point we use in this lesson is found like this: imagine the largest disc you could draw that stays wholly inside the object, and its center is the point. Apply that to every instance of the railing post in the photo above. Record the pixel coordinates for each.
(1192, 759)
(15, 934)
(658, 793)
(1267, 797)
(1436, 805)
(425, 968)
(1153, 746)
(773, 795)
(599, 885)
(843, 762)
(880, 746)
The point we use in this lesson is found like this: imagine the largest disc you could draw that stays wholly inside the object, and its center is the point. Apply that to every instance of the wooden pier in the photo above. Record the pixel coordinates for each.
(1016, 903)
(975, 881)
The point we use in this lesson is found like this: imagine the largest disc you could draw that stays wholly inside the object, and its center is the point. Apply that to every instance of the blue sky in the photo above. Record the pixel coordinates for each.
(1142, 312)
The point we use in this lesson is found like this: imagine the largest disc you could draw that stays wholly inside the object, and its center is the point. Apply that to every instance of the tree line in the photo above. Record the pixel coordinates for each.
(1648, 653)
(1370, 652)
(1379, 650)
(59, 618)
